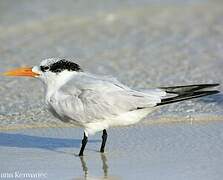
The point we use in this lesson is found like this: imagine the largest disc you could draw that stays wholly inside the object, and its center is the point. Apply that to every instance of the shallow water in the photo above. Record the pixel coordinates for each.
(169, 151)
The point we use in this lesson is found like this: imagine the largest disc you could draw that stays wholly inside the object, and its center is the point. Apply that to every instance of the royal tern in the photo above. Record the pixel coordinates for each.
(96, 102)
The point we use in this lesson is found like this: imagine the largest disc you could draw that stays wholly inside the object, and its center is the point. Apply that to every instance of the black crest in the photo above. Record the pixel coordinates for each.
(60, 66)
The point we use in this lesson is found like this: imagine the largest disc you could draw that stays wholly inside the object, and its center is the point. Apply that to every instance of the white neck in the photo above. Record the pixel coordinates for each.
(53, 82)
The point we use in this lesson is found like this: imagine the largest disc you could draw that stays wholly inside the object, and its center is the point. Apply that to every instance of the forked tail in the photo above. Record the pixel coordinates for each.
(187, 92)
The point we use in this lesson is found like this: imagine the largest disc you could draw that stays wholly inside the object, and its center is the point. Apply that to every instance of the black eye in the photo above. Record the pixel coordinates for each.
(44, 68)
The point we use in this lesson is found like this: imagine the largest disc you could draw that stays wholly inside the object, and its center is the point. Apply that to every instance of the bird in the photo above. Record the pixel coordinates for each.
(97, 103)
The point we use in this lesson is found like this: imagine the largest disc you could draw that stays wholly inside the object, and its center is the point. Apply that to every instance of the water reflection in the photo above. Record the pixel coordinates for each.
(84, 167)
(104, 168)
(104, 165)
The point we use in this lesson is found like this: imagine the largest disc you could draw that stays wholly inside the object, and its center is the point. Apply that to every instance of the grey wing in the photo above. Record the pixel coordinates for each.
(99, 99)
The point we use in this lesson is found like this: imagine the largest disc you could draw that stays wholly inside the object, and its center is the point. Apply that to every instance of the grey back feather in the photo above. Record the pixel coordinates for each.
(88, 98)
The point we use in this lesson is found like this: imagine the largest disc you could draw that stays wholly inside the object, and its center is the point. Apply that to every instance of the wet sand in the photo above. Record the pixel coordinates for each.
(169, 151)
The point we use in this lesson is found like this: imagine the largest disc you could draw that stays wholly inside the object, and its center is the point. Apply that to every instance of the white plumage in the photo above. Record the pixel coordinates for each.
(97, 103)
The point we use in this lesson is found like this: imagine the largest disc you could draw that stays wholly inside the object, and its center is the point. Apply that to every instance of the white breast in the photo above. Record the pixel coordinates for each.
(125, 119)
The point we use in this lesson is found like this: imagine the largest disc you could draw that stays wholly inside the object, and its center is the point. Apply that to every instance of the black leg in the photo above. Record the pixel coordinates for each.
(84, 142)
(104, 138)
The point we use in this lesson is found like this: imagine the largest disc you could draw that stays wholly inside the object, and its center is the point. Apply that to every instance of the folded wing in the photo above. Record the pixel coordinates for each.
(89, 99)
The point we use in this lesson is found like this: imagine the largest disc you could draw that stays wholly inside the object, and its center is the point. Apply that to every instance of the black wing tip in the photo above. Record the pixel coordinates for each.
(212, 85)
(188, 88)
(192, 85)
(207, 93)
(187, 96)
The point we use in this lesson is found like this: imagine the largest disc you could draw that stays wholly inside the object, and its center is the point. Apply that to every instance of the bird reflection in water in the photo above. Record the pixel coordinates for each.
(104, 165)
(84, 167)
(105, 168)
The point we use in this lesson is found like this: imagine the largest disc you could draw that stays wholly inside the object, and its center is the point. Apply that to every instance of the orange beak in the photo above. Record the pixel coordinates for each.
(24, 71)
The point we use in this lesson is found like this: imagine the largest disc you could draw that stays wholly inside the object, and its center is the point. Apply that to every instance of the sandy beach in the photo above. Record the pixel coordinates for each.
(142, 43)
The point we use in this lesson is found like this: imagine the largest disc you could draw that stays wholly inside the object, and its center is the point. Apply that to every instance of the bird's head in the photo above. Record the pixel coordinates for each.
(49, 70)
